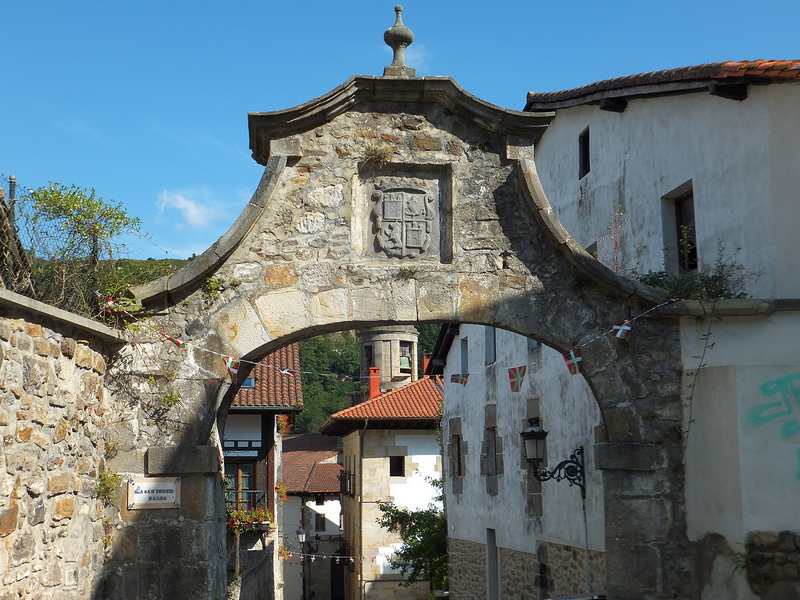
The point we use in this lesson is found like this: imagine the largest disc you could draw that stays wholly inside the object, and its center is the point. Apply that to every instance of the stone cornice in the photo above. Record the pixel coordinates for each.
(61, 317)
(749, 307)
(268, 126)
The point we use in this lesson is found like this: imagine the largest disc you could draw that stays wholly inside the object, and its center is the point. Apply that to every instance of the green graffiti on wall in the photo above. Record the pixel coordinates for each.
(788, 388)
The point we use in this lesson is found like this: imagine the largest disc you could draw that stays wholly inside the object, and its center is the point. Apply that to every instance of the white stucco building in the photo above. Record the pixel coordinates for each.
(669, 171)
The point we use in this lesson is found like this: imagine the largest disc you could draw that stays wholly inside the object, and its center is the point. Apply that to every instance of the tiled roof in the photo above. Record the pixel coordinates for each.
(324, 478)
(763, 71)
(302, 469)
(274, 389)
(415, 404)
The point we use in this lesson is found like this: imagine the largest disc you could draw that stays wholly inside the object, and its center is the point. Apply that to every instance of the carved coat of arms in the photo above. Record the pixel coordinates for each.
(403, 216)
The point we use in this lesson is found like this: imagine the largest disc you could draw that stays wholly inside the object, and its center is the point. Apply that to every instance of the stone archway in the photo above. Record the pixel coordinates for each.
(395, 200)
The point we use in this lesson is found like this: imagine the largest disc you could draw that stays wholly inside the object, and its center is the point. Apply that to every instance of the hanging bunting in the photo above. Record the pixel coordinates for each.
(289, 371)
(516, 375)
(344, 378)
(621, 330)
(176, 341)
(573, 358)
(111, 306)
(232, 366)
(400, 377)
(459, 378)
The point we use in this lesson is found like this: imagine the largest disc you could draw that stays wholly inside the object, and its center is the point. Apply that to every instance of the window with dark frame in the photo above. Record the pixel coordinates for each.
(319, 522)
(240, 485)
(686, 232)
(491, 344)
(397, 466)
(584, 165)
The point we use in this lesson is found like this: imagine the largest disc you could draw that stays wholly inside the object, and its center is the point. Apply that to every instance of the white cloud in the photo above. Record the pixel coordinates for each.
(417, 57)
(194, 214)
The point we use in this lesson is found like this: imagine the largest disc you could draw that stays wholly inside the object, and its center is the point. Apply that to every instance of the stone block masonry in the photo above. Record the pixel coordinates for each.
(54, 414)
(772, 562)
(555, 570)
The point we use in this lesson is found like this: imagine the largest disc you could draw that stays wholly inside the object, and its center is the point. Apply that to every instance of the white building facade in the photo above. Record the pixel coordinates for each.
(669, 171)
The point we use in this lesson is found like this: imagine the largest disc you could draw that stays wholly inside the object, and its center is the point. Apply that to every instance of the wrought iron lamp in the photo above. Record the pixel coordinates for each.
(533, 438)
(301, 536)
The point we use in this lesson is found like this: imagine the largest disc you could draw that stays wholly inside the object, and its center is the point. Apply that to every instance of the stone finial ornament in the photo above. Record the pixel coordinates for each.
(398, 37)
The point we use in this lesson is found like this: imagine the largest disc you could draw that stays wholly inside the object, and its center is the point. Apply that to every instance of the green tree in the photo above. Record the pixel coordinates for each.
(323, 395)
(423, 555)
(72, 235)
(428, 333)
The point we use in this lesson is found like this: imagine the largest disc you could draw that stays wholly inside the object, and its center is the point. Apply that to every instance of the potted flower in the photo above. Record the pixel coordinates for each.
(253, 519)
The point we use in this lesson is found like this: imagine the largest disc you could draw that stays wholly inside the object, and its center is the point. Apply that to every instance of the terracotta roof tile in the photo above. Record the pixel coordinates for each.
(324, 478)
(274, 389)
(766, 69)
(301, 459)
(418, 400)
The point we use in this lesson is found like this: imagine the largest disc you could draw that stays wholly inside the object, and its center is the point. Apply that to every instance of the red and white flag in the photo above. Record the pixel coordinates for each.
(516, 375)
(573, 358)
(232, 366)
(621, 330)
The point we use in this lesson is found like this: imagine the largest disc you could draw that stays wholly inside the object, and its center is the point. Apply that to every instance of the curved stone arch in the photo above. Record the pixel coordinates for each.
(312, 252)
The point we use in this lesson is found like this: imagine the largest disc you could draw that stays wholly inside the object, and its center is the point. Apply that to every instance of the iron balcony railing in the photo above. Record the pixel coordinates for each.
(246, 499)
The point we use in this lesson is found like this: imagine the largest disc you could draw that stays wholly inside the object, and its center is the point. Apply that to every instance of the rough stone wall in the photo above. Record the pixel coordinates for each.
(466, 569)
(772, 561)
(565, 569)
(557, 570)
(54, 413)
(519, 575)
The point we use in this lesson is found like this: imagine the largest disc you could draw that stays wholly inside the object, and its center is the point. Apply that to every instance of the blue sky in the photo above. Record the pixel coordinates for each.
(147, 101)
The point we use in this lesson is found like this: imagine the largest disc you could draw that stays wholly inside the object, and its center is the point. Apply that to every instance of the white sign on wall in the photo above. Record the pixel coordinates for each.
(154, 492)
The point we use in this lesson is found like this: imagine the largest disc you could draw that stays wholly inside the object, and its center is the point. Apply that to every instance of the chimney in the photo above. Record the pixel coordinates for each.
(374, 382)
(426, 361)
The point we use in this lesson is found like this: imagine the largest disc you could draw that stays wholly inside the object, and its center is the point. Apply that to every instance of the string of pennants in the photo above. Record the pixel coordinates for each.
(233, 364)
(573, 358)
(290, 555)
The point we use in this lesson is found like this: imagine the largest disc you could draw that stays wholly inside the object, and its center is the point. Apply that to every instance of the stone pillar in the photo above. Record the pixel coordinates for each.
(647, 551)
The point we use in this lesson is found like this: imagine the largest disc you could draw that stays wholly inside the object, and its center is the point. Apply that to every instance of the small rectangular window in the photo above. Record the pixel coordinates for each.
(583, 154)
(679, 230)
(491, 344)
(249, 383)
(397, 466)
(319, 522)
(686, 232)
(464, 355)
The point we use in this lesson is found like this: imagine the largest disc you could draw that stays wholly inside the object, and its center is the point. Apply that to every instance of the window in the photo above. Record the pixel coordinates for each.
(685, 232)
(319, 521)
(240, 485)
(397, 466)
(405, 357)
(679, 229)
(584, 165)
(464, 355)
(249, 383)
(491, 344)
